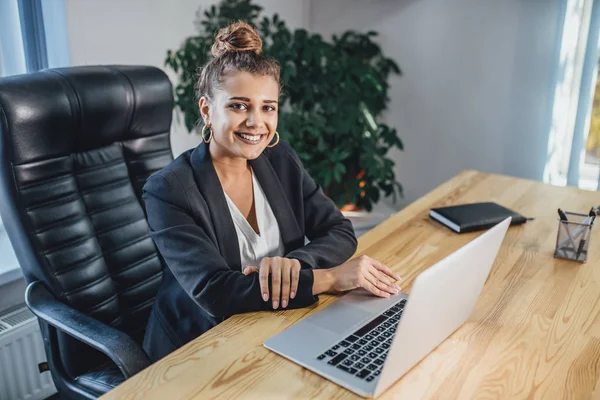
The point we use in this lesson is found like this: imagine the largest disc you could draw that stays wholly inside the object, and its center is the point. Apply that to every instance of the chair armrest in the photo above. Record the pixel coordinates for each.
(129, 356)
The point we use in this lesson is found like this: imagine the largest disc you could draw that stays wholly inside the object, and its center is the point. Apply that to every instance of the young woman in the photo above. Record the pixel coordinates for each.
(230, 217)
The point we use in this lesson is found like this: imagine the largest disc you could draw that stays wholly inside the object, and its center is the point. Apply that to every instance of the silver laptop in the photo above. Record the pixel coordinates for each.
(365, 343)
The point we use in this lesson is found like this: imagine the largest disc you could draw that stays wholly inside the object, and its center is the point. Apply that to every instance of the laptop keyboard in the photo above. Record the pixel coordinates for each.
(363, 353)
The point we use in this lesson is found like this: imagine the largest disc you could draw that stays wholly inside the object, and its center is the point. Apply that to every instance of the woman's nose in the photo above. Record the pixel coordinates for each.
(255, 120)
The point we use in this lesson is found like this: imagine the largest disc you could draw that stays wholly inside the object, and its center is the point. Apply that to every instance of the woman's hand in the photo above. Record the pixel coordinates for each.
(285, 273)
(367, 273)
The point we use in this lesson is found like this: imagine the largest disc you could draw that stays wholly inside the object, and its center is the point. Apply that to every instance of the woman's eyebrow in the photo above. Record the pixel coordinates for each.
(248, 100)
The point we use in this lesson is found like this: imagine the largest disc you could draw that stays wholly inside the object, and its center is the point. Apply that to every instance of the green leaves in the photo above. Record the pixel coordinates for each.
(334, 93)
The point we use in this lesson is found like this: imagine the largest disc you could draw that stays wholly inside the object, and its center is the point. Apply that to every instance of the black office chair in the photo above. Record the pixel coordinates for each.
(76, 147)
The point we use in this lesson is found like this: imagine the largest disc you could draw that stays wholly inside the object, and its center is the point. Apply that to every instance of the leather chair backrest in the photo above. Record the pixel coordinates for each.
(76, 147)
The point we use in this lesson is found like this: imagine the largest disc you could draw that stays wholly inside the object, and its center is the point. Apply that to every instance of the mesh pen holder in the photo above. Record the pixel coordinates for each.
(573, 238)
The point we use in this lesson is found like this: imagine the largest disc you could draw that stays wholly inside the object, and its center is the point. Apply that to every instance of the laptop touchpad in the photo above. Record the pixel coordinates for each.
(339, 317)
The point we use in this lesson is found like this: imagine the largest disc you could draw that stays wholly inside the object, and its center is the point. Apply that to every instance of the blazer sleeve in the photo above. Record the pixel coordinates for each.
(195, 261)
(332, 239)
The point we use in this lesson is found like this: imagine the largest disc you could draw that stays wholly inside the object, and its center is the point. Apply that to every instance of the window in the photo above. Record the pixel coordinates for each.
(33, 35)
(1, 73)
(590, 171)
(12, 61)
(12, 57)
(569, 160)
(592, 147)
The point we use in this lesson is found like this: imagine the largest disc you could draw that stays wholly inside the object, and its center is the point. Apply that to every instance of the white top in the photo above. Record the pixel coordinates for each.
(255, 247)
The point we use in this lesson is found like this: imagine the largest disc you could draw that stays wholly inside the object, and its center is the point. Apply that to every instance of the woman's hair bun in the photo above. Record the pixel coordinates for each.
(238, 36)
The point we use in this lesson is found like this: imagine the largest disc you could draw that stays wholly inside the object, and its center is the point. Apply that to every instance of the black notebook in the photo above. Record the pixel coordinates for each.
(474, 217)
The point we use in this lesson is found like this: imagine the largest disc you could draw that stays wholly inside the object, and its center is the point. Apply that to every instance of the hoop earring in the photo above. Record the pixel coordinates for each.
(209, 136)
(277, 141)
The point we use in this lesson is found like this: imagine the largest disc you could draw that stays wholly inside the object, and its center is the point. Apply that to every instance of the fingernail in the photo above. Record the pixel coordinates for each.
(292, 295)
(245, 270)
(265, 297)
(398, 287)
(283, 304)
(398, 277)
(275, 305)
(387, 295)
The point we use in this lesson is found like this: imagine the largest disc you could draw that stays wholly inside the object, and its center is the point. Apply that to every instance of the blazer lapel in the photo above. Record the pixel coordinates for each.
(288, 226)
(209, 185)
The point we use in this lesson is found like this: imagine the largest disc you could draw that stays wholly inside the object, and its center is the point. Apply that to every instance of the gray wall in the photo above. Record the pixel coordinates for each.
(477, 86)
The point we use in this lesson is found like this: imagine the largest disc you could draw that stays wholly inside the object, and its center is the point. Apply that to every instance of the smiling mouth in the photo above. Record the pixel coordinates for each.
(249, 138)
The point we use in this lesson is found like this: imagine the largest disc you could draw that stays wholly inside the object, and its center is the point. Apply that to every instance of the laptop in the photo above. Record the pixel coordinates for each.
(366, 343)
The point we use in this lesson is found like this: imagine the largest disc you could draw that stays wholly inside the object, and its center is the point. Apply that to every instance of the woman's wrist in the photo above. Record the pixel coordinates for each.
(324, 280)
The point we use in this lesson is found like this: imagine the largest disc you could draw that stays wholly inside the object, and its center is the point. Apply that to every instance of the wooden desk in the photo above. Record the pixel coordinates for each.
(535, 331)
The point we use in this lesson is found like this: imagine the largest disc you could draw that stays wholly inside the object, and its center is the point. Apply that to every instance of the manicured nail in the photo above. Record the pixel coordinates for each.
(283, 304)
(292, 295)
(265, 297)
(275, 305)
(387, 295)
(398, 277)
(245, 270)
(398, 287)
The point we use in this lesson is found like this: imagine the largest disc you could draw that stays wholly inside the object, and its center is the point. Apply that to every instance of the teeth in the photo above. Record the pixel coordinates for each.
(250, 137)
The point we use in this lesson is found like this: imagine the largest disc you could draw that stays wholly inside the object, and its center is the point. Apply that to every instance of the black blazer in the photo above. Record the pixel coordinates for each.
(194, 232)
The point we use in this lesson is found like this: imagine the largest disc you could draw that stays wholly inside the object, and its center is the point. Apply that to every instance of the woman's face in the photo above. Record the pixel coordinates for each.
(243, 115)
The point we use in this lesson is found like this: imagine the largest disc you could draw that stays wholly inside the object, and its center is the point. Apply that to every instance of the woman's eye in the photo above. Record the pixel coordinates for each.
(269, 108)
(238, 106)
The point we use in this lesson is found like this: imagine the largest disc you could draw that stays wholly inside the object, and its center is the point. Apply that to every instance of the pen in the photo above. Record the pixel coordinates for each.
(562, 215)
(592, 214)
(582, 242)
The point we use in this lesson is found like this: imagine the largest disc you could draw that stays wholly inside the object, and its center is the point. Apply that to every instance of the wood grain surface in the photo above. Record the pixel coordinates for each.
(535, 331)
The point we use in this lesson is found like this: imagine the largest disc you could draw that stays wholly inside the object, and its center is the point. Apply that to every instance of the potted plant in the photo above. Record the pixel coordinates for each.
(334, 93)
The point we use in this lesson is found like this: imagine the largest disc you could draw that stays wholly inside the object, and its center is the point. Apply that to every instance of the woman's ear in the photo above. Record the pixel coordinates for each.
(204, 107)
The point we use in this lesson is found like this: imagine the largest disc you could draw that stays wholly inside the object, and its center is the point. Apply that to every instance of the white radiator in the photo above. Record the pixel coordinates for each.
(21, 350)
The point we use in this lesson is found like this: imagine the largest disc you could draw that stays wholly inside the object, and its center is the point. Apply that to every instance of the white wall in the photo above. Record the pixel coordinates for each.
(476, 88)
(141, 31)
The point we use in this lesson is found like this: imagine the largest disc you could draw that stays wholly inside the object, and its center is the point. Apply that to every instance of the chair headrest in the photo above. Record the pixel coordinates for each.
(58, 112)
